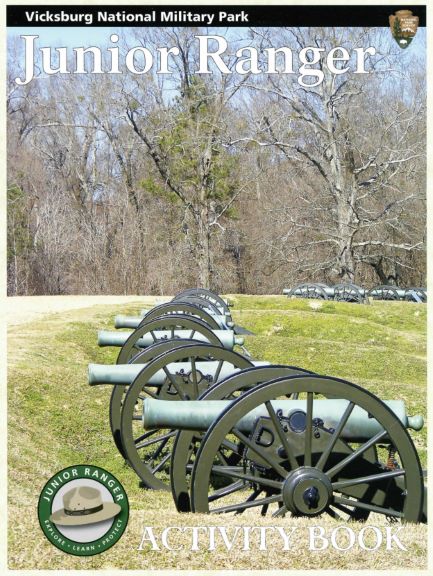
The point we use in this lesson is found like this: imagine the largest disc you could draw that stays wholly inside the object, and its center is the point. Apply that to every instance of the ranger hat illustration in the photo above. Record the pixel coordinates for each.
(84, 505)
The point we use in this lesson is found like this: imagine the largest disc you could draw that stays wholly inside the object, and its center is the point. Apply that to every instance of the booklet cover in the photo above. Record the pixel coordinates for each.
(243, 149)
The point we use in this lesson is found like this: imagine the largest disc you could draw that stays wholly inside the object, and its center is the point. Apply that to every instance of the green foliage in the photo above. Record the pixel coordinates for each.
(191, 139)
(397, 27)
(133, 105)
(154, 188)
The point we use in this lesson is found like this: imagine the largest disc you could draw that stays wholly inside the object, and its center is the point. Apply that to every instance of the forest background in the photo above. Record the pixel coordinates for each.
(147, 184)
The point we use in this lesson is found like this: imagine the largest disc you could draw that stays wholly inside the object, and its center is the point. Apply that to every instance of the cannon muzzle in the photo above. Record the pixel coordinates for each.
(113, 374)
(122, 321)
(198, 415)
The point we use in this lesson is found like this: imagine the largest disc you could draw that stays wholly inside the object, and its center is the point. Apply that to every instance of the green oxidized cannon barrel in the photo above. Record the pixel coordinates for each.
(200, 414)
(125, 374)
(144, 311)
(121, 321)
(113, 338)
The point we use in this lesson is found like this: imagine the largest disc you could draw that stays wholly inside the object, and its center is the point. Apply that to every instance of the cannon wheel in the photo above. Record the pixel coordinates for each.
(185, 308)
(309, 291)
(348, 293)
(207, 305)
(324, 474)
(206, 295)
(185, 442)
(384, 292)
(185, 386)
(118, 392)
(410, 293)
(169, 322)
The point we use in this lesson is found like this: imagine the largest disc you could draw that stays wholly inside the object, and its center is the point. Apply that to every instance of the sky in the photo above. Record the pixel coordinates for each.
(73, 36)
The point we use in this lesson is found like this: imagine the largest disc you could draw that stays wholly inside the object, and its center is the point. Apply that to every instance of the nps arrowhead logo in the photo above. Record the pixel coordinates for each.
(403, 26)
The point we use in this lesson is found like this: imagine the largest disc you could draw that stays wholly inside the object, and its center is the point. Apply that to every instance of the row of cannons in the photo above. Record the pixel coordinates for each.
(354, 293)
(227, 433)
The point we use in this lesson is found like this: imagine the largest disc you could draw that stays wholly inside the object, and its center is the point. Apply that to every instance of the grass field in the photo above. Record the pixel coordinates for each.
(56, 420)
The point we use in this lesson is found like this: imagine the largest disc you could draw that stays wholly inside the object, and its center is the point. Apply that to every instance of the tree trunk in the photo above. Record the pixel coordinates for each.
(345, 260)
(203, 256)
(343, 193)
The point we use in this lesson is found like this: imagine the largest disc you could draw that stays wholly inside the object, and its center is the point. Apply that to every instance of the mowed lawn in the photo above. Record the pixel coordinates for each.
(56, 420)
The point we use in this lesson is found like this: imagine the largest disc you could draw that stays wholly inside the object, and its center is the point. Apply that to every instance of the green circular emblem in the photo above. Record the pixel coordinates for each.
(83, 510)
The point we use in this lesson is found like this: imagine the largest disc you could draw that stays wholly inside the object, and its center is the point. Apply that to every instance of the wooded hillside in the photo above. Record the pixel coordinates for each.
(244, 183)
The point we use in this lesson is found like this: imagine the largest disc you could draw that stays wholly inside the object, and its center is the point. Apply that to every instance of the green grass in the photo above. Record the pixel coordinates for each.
(55, 419)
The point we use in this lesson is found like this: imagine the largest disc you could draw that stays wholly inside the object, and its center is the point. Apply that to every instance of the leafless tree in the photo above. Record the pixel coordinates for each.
(354, 149)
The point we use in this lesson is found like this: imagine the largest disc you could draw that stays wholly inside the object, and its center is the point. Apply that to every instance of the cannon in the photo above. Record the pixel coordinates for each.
(210, 307)
(317, 291)
(167, 327)
(196, 307)
(416, 295)
(386, 292)
(354, 293)
(198, 298)
(306, 456)
(203, 294)
(349, 293)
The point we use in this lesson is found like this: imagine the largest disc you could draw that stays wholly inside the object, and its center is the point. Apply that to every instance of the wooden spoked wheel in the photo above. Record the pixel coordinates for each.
(167, 378)
(384, 293)
(186, 442)
(168, 325)
(348, 293)
(305, 466)
(309, 291)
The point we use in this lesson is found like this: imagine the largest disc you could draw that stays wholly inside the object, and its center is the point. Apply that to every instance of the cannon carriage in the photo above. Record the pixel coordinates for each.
(245, 434)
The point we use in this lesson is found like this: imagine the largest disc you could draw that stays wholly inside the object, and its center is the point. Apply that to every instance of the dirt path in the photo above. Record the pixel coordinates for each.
(22, 309)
